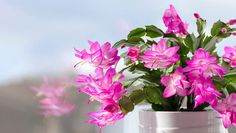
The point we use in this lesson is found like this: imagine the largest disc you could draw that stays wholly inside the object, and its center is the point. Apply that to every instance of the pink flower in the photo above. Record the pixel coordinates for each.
(232, 22)
(50, 90)
(175, 83)
(53, 102)
(100, 56)
(102, 87)
(160, 56)
(133, 53)
(173, 22)
(203, 65)
(103, 118)
(56, 106)
(230, 55)
(204, 91)
(227, 109)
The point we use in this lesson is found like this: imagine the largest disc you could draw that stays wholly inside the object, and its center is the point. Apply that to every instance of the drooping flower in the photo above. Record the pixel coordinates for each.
(133, 53)
(100, 56)
(173, 22)
(55, 106)
(103, 118)
(203, 65)
(102, 87)
(230, 55)
(53, 102)
(204, 91)
(227, 109)
(175, 83)
(160, 55)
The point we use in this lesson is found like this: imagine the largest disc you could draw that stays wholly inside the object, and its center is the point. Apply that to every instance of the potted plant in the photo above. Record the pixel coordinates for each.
(168, 66)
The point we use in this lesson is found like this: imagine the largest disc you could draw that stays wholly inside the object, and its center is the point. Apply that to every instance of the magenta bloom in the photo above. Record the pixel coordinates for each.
(227, 109)
(160, 56)
(173, 22)
(103, 118)
(133, 53)
(56, 106)
(230, 56)
(102, 87)
(232, 22)
(175, 83)
(203, 65)
(204, 91)
(100, 56)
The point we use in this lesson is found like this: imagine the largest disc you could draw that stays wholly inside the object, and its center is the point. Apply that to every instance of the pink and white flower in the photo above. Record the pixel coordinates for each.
(100, 56)
(102, 87)
(175, 83)
(173, 22)
(133, 53)
(204, 91)
(230, 56)
(103, 118)
(160, 55)
(203, 65)
(227, 109)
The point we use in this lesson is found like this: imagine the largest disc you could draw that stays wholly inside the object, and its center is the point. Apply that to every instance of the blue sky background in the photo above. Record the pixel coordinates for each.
(37, 37)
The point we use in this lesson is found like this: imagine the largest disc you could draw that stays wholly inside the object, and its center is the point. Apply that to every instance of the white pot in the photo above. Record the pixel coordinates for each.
(180, 122)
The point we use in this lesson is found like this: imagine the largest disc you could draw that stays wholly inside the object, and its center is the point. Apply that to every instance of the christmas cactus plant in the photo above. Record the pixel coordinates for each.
(167, 66)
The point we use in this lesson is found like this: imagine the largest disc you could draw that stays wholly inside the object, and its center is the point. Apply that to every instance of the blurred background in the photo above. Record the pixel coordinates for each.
(37, 38)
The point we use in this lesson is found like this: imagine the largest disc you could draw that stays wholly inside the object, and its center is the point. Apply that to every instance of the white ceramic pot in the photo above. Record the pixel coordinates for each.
(180, 122)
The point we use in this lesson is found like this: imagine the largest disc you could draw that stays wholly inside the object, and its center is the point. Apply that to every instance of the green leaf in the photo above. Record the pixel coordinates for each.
(134, 41)
(138, 32)
(120, 43)
(153, 95)
(231, 88)
(216, 28)
(157, 107)
(137, 96)
(201, 25)
(189, 42)
(231, 76)
(153, 32)
(126, 105)
(211, 45)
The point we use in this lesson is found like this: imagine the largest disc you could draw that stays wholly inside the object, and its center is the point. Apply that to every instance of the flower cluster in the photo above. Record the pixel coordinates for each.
(160, 55)
(200, 71)
(174, 65)
(104, 86)
(101, 56)
(53, 102)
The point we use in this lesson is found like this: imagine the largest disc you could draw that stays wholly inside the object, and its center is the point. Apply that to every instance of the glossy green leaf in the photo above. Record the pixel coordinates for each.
(153, 32)
(138, 32)
(126, 105)
(137, 96)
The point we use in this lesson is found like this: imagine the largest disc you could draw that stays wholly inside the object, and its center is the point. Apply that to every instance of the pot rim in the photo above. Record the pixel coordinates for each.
(176, 112)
